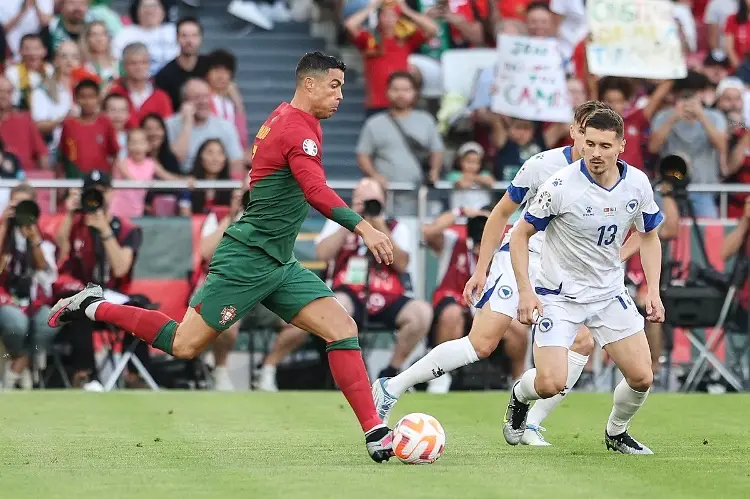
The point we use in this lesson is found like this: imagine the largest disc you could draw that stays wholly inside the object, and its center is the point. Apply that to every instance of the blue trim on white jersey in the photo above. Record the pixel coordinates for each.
(568, 153)
(621, 165)
(486, 296)
(539, 223)
(505, 247)
(517, 194)
(544, 291)
(652, 221)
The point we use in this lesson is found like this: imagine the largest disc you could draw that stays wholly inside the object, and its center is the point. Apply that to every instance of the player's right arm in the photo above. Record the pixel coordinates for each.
(517, 193)
(308, 171)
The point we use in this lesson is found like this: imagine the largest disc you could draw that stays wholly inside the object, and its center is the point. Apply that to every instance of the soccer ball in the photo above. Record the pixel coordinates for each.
(418, 439)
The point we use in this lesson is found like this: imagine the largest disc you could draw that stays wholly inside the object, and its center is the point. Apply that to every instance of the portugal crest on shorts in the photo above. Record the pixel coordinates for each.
(505, 292)
(227, 314)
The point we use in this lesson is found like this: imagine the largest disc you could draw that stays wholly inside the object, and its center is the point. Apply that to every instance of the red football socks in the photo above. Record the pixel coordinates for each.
(348, 370)
(151, 326)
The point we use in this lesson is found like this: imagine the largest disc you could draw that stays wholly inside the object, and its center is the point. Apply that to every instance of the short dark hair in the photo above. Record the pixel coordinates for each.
(405, 75)
(221, 58)
(31, 36)
(316, 63)
(586, 109)
(538, 5)
(615, 83)
(189, 20)
(607, 120)
(110, 98)
(84, 84)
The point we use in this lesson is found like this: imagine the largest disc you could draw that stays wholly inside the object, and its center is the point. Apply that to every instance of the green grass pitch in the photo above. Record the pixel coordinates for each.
(191, 445)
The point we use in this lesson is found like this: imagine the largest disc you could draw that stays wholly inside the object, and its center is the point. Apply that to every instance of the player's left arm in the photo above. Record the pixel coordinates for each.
(647, 221)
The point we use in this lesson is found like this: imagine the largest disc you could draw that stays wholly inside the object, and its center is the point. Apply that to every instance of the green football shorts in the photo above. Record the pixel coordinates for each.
(241, 276)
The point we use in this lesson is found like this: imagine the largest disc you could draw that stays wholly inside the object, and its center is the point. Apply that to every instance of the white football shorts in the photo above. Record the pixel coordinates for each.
(608, 320)
(501, 290)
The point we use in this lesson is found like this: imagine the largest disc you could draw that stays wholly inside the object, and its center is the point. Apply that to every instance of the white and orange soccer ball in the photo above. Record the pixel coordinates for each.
(418, 439)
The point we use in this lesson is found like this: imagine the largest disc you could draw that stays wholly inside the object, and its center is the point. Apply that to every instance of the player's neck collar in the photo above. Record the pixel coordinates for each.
(568, 152)
(621, 165)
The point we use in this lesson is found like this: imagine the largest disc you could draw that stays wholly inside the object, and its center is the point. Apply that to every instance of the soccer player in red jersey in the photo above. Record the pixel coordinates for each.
(255, 263)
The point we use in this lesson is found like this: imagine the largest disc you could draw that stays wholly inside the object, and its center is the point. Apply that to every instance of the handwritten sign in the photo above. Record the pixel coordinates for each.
(530, 82)
(634, 38)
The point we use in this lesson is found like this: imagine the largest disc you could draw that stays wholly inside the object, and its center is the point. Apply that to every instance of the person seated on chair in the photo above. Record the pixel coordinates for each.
(94, 246)
(217, 221)
(364, 287)
(457, 257)
(27, 272)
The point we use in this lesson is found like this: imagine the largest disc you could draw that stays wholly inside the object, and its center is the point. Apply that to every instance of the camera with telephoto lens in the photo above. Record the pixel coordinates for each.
(372, 208)
(674, 171)
(27, 213)
(92, 199)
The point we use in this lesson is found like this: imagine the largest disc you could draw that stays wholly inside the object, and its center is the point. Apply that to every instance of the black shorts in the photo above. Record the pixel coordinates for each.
(387, 316)
(441, 305)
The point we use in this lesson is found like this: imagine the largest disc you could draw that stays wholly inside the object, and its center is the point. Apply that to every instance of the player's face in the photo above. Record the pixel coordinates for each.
(326, 93)
(577, 134)
(601, 149)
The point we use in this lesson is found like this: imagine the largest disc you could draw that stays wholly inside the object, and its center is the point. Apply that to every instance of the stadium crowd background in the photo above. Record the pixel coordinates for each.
(82, 75)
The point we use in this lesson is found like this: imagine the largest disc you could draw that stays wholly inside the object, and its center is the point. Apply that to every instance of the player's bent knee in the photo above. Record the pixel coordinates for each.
(641, 380)
(548, 385)
(341, 328)
(483, 346)
(584, 343)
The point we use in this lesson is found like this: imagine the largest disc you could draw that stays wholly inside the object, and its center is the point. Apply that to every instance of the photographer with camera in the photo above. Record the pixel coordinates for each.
(27, 272)
(95, 246)
(363, 286)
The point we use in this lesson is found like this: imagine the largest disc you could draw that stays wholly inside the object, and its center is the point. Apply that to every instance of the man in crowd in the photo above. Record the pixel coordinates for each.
(364, 287)
(143, 97)
(27, 273)
(30, 72)
(189, 64)
(94, 246)
(457, 258)
(195, 124)
(19, 132)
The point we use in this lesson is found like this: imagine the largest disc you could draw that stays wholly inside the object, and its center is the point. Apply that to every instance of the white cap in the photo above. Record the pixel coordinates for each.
(729, 82)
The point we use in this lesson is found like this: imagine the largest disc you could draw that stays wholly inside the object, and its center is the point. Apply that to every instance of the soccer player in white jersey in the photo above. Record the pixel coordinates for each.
(586, 210)
(497, 306)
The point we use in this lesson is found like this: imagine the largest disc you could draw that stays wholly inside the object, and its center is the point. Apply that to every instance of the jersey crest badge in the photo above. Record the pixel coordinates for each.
(545, 324)
(631, 206)
(505, 292)
(227, 314)
(310, 147)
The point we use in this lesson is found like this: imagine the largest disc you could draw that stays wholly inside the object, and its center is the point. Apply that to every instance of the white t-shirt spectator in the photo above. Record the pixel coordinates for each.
(44, 108)
(160, 41)
(684, 16)
(717, 12)
(574, 25)
(29, 22)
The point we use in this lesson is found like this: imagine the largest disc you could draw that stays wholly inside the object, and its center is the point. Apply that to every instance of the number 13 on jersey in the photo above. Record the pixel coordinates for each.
(607, 235)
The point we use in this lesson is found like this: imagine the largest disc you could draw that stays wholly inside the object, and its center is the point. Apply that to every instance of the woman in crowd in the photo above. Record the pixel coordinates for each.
(150, 29)
(96, 49)
(211, 163)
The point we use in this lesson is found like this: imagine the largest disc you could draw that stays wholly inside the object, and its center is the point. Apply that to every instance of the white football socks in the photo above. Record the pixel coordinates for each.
(627, 403)
(442, 359)
(524, 390)
(91, 310)
(543, 408)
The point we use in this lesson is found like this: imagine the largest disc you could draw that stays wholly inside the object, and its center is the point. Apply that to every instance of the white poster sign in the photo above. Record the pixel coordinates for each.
(634, 38)
(530, 82)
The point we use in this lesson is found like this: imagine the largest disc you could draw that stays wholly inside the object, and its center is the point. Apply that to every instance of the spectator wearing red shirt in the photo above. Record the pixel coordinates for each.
(88, 142)
(143, 97)
(618, 93)
(386, 50)
(513, 9)
(737, 34)
(19, 132)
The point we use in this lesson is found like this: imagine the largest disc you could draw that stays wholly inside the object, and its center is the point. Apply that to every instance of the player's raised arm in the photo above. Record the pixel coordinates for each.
(304, 161)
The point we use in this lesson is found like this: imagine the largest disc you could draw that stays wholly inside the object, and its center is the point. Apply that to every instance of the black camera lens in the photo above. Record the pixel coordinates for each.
(91, 200)
(372, 207)
(27, 213)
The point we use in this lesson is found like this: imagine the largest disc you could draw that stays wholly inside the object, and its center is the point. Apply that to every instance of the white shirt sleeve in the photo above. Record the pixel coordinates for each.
(545, 206)
(401, 236)
(559, 7)
(649, 216)
(523, 183)
(329, 229)
(210, 225)
(47, 277)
